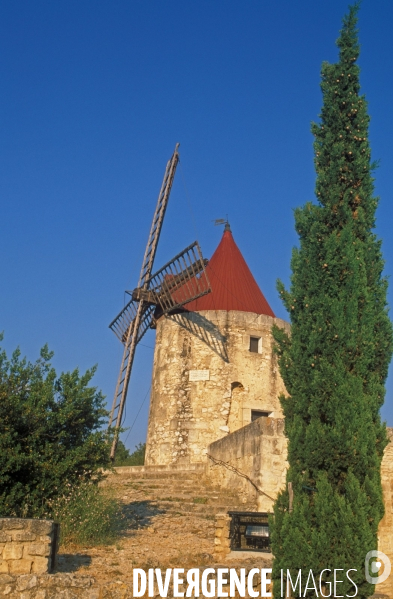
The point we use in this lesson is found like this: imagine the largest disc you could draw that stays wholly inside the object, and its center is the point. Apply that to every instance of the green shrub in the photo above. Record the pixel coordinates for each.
(51, 433)
(88, 515)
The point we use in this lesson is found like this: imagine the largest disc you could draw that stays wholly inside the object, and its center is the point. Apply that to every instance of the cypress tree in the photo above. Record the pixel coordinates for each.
(335, 362)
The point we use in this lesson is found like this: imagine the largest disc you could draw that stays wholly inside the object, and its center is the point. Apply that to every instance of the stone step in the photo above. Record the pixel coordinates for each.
(176, 491)
(189, 498)
(162, 471)
(197, 506)
(187, 480)
(162, 483)
(195, 488)
(192, 498)
(186, 476)
(180, 495)
(201, 500)
(198, 509)
(183, 490)
(159, 480)
(180, 474)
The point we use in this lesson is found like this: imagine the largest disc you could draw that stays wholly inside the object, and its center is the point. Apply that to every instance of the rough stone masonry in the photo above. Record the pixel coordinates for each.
(188, 412)
(27, 546)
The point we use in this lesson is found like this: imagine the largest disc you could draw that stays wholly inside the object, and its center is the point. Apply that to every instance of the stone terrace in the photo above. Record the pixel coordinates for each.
(169, 522)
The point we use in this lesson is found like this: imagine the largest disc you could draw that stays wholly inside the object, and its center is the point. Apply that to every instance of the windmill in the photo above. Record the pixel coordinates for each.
(175, 284)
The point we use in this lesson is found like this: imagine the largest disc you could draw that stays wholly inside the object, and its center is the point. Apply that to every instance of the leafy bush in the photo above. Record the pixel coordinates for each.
(124, 458)
(51, 436)
(88, 515)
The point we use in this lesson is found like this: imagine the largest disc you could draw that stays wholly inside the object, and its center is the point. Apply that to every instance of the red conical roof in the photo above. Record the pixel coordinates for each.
(232, 283)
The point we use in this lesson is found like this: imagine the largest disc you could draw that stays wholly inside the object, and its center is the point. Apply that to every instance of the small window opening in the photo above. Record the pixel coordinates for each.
(237, 385)
(256, 345)
(255, 414)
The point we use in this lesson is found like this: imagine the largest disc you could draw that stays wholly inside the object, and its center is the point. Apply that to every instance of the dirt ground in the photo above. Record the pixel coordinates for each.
(153, 537)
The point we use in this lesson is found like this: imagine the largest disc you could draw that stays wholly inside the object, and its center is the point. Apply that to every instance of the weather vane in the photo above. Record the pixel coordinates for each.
(222, 221)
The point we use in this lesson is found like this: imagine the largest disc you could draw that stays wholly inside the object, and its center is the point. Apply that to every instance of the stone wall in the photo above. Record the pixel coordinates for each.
(70, 586)
(385, 530)
(57, 586)
(222, 542)
(27, 545)
(206, 381)
(259, 451)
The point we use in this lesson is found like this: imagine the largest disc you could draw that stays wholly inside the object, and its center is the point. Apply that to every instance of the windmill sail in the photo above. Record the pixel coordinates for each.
(178, 282)
(120, 324)
(158, 218)
(181, 280)
(136, 330)
(134, 320)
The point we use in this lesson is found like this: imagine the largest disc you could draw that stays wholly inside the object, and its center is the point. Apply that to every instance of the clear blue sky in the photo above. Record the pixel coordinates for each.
(94, 96)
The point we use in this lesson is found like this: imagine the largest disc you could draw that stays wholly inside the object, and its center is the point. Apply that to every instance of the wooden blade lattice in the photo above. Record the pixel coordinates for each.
(134, 320)
(158, 218)
(141, 322)
(180, 281)
(126, 318)
(120, 324)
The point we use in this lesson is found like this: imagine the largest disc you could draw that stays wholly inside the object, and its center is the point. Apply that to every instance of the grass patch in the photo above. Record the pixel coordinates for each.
(88, 516)
(202, 500)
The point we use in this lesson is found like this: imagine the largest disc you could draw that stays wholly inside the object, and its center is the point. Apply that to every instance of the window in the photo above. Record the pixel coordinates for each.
(256, 345)
(236, 385)
(255, 414)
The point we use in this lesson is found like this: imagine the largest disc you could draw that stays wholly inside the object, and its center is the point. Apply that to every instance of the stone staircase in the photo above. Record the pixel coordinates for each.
(176, 491)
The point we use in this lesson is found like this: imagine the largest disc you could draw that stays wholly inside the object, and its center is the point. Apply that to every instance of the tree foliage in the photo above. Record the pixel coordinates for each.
(123, 456)
(335, 363)
(51, 435)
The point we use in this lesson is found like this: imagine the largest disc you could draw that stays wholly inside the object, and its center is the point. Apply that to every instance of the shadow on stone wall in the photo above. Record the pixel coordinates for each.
(203, 329)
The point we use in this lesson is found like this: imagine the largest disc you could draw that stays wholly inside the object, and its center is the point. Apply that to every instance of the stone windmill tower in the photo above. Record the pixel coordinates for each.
(214, 368)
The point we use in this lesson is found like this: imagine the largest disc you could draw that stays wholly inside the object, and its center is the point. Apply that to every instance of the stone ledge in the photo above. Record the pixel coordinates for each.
(48, 586)
(199, 467)
(27, 546)
(71, 586)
